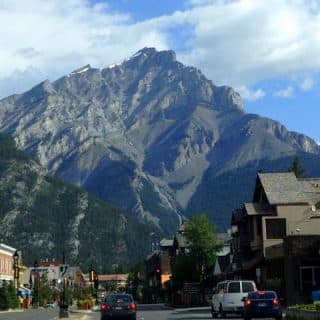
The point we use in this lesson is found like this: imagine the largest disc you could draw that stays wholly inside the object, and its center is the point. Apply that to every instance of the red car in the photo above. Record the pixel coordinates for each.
(118, 305)
(262, 304)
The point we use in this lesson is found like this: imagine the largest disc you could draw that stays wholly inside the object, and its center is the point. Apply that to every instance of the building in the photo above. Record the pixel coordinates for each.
(6, 262)
(283, 216)
(166, 260)
(222, 268)
(56, 272)
(118, 281)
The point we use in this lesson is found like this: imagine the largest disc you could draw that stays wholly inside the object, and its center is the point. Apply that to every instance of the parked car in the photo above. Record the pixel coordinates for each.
(228, 297)
(50, 304)
(262, 304)
(118, 305)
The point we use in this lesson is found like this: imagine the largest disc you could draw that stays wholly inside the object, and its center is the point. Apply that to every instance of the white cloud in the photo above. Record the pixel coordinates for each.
(307, 84)
(285, 93)
(250, 95)
(51, 38)
(237, 43)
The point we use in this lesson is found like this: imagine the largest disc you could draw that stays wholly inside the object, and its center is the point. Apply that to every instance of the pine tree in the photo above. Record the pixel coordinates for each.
(13, 300)
(297, 168)
(4, 298)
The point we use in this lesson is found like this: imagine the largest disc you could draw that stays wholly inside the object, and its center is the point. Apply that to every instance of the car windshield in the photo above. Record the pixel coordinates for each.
(118, 298)
(262, 295)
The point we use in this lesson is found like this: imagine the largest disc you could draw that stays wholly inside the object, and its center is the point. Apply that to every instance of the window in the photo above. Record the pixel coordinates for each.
(247, 286)
(234, 287)
(220, 287)
(276, 228)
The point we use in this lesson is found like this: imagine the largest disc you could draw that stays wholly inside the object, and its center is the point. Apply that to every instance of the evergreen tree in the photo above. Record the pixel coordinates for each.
(13, 300)
(296, 168)
(45, 292)
(4, 297)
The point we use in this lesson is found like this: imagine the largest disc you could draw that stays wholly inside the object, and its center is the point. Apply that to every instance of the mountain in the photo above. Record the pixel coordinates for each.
(150, 135)
(45, 217)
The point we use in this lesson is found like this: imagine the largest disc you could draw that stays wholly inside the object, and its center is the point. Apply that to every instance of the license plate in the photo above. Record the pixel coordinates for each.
(118, 308)
(262, 304)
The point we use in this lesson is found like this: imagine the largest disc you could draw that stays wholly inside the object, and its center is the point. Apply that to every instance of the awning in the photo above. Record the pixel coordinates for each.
(24, 291)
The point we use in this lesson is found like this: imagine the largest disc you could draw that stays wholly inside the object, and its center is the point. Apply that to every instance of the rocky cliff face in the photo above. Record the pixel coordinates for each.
(142, 134)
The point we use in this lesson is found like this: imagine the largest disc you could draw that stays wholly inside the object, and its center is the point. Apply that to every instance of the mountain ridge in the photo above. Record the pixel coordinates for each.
(45, 217)
(147, 125)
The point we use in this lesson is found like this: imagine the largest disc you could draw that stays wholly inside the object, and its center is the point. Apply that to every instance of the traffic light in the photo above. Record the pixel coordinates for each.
(158, 270)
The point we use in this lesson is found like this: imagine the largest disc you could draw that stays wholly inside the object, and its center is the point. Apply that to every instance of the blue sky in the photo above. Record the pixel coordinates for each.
(269, 51)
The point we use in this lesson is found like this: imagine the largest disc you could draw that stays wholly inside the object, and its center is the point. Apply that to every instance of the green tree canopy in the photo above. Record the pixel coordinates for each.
(204, 243)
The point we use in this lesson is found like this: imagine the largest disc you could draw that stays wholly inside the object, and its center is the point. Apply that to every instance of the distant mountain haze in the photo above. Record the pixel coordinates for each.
(153, 137)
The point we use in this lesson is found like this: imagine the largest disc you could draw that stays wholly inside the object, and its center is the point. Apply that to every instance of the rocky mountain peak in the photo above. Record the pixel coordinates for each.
(142, 134)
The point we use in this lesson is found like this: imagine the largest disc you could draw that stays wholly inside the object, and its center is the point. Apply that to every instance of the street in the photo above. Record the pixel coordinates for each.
(181, 314)
(53, 313)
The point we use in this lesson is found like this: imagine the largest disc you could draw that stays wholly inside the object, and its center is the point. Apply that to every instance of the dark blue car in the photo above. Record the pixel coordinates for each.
(118, 306)
(262, 304)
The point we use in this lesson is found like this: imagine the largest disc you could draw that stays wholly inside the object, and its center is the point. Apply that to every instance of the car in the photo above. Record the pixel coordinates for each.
(50, 304)
(228, 297)
(118, 305)
(262, 304)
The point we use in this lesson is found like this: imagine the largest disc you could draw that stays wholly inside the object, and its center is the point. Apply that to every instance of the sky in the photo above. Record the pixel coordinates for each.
(267, 50)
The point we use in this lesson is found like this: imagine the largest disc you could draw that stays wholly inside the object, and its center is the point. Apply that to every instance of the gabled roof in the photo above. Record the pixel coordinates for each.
(166, 242)
(114, 277)
(311, 187)
(282, 188)
(181, 240)
(254, 209)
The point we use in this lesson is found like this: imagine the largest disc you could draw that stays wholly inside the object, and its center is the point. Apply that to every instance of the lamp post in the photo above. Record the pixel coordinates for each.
(64, 303)
(63, 311)
(91, 277)
(96, 285)
(35, 301)
(16, 270)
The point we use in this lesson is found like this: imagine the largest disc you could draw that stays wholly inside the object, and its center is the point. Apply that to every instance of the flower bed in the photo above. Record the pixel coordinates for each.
(304, 312)
(85, 304)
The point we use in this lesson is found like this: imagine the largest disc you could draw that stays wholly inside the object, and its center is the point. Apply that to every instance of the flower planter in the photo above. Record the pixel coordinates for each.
(294, 313)
(84, 306)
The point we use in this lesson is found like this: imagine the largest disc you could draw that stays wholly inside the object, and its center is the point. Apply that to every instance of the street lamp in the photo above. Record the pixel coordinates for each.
(35, 301)
(16, 270)
(63, 310)
(96, 285)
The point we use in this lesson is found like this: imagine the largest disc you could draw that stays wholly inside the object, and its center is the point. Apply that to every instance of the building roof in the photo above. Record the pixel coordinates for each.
(224, 251)
(282, 188)
(181, 240)
(311, 187)
(166, 243)
(224, 237)
(113, 277)
(50, 263)
(254, 209)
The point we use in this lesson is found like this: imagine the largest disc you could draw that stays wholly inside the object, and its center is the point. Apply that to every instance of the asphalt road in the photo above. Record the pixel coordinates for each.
(30, 314)
(53, 314)
(174, 314)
